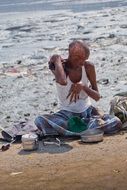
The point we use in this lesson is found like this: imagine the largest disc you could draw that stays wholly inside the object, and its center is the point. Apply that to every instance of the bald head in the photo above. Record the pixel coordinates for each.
(79, 47)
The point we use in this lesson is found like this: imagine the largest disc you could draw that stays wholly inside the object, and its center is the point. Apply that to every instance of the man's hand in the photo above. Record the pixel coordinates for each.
(57, 68)
(55, 59)
(75, 91)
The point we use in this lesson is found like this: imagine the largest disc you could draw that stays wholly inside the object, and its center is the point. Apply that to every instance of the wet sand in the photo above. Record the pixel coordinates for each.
(27, 86)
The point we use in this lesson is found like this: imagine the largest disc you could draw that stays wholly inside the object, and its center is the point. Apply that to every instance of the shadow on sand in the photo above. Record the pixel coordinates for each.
(50, 148)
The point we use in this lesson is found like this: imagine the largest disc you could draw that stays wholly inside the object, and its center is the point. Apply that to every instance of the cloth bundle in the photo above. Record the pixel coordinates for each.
(119, 107)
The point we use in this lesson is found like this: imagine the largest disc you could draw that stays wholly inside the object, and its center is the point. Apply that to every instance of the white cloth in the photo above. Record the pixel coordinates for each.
(81, 104)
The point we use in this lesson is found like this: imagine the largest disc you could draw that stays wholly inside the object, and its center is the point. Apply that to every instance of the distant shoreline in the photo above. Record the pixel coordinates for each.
(75, 6)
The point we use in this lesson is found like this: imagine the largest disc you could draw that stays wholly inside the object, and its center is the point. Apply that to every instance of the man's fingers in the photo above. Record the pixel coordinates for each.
(71, 97)
(75, 97)
(54, 58)
(68, 95)
(70, 91)
(73, 93)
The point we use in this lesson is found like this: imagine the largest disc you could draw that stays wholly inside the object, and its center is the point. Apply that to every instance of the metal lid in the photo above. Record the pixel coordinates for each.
(29, 137)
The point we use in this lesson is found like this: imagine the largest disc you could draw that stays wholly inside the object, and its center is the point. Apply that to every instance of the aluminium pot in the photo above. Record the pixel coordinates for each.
(30, 141)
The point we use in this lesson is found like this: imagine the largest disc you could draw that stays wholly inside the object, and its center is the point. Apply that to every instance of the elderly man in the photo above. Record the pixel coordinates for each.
(76, 84)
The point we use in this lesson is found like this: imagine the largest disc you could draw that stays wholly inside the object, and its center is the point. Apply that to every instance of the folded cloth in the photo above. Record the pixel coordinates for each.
(17, 130)
(119, 107)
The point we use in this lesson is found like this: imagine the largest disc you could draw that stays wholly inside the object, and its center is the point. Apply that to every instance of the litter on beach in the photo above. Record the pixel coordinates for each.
(57, 143)
(15, 173)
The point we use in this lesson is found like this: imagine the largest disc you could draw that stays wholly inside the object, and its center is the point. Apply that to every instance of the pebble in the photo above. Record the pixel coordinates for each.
(26, 114)
(103, 59)
(111, 36)
(55, 104)
(104, 81)
(18, 62)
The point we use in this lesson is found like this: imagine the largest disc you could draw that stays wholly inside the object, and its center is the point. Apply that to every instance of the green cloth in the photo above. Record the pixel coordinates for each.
(76, 124)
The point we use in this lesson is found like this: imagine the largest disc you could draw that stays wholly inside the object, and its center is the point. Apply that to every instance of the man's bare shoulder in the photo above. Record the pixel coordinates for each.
(89, 66)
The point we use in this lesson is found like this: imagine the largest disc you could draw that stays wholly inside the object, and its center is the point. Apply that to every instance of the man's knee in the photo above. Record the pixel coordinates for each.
(38, 121)
(114, 125)
(118, 123)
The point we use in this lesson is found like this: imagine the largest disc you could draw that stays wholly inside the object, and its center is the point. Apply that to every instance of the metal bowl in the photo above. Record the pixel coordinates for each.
(92, 135)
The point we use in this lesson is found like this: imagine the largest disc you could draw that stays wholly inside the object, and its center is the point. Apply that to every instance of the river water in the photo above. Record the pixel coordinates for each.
(72, 5)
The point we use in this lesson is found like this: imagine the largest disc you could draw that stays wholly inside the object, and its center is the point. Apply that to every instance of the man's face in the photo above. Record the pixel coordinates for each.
(77, 55)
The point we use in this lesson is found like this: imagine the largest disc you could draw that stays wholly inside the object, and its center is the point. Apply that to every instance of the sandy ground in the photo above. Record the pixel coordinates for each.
(75, 165)
(27, 89)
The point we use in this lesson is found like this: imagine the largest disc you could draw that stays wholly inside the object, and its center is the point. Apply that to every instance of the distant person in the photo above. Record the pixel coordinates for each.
(76, 83)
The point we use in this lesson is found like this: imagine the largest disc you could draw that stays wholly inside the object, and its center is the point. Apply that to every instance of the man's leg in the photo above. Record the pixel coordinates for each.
(59, 118)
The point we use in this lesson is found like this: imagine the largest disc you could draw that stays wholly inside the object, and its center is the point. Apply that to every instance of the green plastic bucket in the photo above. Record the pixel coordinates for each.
(76, 124)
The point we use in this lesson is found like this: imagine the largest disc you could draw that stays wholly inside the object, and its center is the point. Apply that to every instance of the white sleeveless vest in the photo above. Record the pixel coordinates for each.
(81, 104)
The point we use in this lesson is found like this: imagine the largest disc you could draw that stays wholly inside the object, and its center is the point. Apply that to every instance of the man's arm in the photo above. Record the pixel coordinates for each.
(91, 74)
(58, 69)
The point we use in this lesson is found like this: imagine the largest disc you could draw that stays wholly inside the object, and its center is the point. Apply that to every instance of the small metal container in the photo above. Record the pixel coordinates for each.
(92, 135)
(30, 141)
